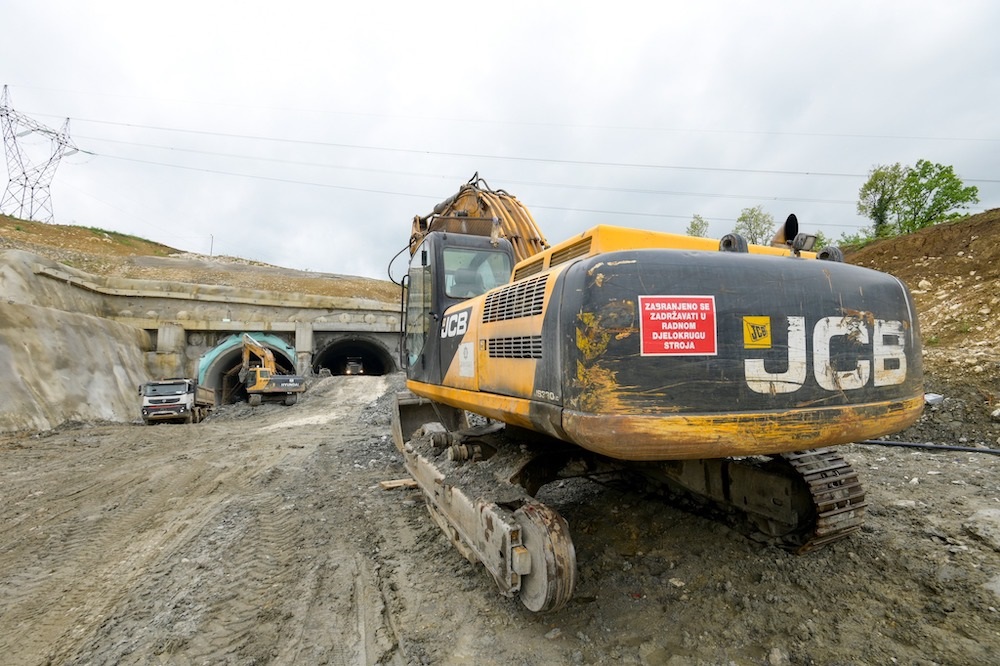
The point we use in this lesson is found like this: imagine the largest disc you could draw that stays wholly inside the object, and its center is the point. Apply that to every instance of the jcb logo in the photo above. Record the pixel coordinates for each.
(455, 325)
(882, 362)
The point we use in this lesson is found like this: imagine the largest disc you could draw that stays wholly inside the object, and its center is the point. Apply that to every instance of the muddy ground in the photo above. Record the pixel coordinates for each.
(263, 536)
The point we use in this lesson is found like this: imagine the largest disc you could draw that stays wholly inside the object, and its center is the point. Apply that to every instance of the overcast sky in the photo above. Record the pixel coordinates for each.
(308, 134)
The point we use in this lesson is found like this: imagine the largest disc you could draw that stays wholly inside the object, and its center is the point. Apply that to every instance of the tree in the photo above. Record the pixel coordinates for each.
(821, 241)
(879, 197)
(697, 227)
(932, 193)
(900, 200)
(756, 226)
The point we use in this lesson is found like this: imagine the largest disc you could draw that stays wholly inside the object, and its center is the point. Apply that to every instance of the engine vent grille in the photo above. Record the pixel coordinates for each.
(578, 249)
(528, 269)
(521, 346)
(521, 299)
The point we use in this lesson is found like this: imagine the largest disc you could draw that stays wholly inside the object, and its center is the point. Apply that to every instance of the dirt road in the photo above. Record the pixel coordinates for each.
(262, 536)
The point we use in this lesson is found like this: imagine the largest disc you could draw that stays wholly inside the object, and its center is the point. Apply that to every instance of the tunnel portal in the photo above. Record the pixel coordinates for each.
(354, 356)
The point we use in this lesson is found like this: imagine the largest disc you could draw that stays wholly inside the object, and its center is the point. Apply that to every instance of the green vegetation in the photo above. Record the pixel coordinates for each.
(901, 200)
(697, 227)
(124, 239)
(756, 226)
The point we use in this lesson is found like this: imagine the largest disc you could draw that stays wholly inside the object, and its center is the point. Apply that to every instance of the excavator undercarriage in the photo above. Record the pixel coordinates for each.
(480, 484)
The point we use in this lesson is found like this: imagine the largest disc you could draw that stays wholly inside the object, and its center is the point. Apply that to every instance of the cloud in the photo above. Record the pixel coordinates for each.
(309, 135)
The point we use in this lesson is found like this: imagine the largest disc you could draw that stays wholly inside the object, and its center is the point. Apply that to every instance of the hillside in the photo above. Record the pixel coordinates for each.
(953, 272)
(118, 255)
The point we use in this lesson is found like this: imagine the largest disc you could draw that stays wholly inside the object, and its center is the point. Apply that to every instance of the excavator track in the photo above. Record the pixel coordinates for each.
(837, 496)
(799, 501)
(471, 492)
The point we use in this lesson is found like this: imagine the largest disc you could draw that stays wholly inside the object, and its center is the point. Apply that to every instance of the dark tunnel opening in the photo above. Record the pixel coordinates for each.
(353, 357)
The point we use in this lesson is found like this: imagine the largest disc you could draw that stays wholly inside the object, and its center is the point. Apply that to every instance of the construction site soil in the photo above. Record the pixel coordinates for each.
(264, 536)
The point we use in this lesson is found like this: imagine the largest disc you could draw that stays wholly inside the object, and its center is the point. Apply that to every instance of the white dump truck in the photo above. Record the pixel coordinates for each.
(178, 399)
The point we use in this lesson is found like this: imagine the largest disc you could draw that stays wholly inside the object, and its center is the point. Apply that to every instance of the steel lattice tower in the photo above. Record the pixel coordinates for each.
(27, 195)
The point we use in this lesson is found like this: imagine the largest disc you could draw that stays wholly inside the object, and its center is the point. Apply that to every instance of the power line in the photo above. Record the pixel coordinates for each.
(530, 123)
(544, 160)
(601, 188)
(515, 158)
(433, 197)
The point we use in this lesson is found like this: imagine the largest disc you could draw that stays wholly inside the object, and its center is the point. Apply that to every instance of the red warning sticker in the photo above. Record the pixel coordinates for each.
(678, 325)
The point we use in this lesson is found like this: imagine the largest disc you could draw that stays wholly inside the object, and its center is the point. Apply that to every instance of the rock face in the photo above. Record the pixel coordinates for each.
(59, 360)
(59, 366)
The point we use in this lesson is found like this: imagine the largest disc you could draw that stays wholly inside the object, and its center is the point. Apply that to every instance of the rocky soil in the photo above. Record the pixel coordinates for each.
(264, 536)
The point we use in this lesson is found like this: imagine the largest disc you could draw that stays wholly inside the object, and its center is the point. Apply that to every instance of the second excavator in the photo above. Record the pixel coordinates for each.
(713, 370)
(261, 379)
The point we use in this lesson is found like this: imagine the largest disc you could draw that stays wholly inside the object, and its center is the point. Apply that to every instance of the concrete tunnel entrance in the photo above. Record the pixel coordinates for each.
(219, 368)
(353, 355)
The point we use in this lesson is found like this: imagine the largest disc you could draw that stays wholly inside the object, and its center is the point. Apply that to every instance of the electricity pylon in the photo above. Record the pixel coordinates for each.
(27, 195)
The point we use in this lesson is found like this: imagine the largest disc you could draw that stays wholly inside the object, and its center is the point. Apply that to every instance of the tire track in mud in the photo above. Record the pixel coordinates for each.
(87, 550)
(228, 548)
(219, 591)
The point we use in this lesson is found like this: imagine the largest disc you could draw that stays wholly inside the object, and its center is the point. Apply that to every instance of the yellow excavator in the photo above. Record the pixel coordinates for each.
(259, 375)
(709, 370)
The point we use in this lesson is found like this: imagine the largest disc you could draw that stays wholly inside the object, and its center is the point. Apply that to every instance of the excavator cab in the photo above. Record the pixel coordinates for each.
(446, 270)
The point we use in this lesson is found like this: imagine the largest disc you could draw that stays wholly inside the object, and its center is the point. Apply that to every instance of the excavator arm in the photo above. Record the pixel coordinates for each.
(252, 348)
(480, 211)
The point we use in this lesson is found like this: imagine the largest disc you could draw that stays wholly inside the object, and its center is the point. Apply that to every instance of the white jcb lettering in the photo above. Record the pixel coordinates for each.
(455, 325)
(883, 361)
(762, 381)
(839, 380)
(890, 356)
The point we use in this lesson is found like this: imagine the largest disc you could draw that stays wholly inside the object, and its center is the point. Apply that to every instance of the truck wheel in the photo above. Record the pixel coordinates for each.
(254, 400)
(291, 399)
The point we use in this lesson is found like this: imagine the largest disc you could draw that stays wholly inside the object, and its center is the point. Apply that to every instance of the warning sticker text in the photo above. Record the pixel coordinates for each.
(678, 325)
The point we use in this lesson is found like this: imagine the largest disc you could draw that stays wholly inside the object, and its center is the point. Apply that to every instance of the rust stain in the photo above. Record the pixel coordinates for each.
(863, 315)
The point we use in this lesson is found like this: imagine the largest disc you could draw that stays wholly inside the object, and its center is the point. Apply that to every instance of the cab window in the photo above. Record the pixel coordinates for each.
(470, 273)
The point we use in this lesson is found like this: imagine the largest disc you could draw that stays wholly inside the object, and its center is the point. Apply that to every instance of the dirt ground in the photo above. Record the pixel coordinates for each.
(263, 536)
